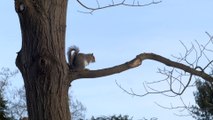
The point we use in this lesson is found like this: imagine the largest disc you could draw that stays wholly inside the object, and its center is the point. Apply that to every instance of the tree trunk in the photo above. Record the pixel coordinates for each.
(41, 59)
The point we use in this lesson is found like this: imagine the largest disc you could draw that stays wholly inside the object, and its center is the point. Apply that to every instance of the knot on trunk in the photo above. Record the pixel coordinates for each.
(44, 64)
(20, 6)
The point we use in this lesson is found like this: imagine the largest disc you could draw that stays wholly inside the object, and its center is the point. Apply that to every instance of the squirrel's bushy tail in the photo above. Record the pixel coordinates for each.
(71, 55)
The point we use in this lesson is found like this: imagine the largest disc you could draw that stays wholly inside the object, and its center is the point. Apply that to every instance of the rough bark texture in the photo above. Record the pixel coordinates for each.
(41, 59)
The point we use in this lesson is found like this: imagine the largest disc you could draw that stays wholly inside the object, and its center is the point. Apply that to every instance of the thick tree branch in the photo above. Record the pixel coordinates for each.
(181, 66)
(135, 63)
(107, 71)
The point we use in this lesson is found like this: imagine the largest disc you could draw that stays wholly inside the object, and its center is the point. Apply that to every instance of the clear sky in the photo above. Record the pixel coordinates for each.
(116, 35)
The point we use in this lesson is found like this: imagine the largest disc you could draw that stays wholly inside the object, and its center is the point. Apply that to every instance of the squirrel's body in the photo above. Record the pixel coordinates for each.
(77, 60)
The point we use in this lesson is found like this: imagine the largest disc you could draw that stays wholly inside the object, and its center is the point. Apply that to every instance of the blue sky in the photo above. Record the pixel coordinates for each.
(116, 35)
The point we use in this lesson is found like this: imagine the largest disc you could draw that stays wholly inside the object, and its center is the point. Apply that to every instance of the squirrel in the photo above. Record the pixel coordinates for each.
(79, 61)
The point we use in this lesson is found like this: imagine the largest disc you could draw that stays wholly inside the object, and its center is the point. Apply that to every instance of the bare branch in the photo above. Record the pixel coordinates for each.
(131, 92)
(208, 65)
(184, 87)
(122, 3)
(98, 3)
(170, 63)
(210, 36)
(182, 108)
(179, 73)
(135, 63)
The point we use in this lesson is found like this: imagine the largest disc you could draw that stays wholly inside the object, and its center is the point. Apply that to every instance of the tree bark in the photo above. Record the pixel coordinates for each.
(41, 59)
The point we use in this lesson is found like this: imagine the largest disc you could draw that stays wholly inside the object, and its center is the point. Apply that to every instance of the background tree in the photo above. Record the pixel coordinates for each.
(4, 115)
(204, 100)
(77, 109)
(119, 117)
(5, 74)
(113, 117)
(18, 106)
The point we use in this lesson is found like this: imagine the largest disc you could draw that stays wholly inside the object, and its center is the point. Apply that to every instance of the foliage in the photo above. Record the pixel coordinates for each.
(204, 101)
(154, 118)
(5, 74)
(119, 117)
(3, 108)
(114, 117)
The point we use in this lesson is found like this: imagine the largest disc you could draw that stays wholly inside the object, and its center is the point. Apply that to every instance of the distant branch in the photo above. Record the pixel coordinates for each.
(131, 92)
(113, 4)
(182, 108)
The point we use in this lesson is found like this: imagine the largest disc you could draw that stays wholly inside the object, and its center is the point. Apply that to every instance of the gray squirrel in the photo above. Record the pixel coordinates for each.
(77, 60)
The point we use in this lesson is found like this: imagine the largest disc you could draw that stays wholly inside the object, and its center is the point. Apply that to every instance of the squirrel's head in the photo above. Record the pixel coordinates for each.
(92, 58)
